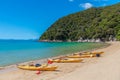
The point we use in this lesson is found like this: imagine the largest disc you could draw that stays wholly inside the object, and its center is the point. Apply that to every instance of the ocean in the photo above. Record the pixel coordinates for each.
(18, 51)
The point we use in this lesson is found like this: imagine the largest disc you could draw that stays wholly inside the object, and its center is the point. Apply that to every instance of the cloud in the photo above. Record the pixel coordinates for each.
(86, 5)
(71, 0)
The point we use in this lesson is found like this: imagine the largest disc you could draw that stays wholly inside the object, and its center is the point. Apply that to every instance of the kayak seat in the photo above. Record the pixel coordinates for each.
(37, 65)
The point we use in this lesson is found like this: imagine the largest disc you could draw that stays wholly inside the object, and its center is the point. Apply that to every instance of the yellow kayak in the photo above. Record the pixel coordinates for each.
(89, 53)
(98, 52)
(41, 68)
(82, 56)
(66, 60)
(86, 53)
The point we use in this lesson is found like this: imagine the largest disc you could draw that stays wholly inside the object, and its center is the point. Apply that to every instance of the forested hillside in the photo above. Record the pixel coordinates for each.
(95, 23)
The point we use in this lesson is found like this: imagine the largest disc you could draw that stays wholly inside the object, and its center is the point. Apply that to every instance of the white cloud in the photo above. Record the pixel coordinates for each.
(71, 0)
(86, 5)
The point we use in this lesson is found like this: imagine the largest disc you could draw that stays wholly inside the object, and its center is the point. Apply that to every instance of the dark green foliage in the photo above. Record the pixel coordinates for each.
(94, 23)
(118, 35)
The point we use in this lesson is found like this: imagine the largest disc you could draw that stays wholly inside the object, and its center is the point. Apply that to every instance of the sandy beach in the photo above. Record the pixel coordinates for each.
(106, 67)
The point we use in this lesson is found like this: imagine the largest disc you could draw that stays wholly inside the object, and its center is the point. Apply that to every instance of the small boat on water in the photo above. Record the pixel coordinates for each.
(66, 60)
(41, 68)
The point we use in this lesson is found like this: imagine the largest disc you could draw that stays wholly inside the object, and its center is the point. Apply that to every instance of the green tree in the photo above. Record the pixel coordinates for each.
(118, 35)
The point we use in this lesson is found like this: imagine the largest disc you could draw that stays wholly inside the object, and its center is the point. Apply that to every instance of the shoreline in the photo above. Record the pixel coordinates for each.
(94, 41)
(43, 60)
(70, 52)
(64, 68)
(13, 67)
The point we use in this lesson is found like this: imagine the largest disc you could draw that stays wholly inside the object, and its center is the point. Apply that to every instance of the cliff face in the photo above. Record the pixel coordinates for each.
(92, 24)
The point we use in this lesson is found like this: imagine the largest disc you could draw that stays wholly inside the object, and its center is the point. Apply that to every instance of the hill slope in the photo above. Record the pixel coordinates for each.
(95, 23)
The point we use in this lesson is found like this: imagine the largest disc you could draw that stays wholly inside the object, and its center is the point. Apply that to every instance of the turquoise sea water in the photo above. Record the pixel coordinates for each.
(12, 52)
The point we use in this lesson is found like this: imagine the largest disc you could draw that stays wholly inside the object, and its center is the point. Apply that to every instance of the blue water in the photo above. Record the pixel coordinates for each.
(12, 52)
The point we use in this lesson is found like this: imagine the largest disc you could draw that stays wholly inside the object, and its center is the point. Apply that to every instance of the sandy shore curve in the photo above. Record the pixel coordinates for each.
(106, 67)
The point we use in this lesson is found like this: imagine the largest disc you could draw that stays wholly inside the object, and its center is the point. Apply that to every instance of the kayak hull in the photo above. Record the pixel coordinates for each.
(67, 61)
(81, 56)
(41, 68)
(87, 53)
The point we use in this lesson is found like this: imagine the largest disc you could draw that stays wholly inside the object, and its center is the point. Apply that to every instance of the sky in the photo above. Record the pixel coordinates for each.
(29, 19)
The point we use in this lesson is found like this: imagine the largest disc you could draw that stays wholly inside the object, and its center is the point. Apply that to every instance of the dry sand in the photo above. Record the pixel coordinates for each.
(106, 67)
